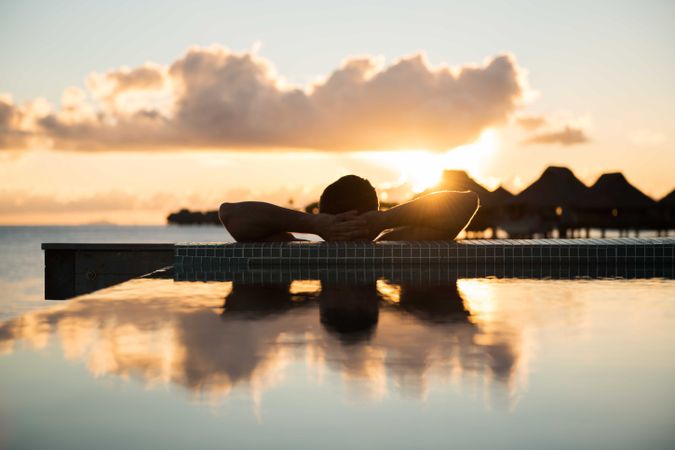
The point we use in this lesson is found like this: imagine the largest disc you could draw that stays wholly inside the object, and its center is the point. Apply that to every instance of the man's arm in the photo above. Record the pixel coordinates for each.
(441, 215)
(259, 221)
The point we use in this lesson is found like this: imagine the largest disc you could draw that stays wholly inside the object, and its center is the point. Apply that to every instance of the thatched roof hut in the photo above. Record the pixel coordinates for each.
(668, 200)
(622, 205)
(499, 197)
(667, 209)
(459, 180)
(556, 187)
(614, 191)
(491, 212)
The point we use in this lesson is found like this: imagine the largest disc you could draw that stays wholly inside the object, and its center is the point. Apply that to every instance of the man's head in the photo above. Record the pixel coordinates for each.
(347, 194)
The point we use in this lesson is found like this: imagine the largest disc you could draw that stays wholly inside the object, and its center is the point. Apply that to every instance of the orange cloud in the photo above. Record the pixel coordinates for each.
(215, 98)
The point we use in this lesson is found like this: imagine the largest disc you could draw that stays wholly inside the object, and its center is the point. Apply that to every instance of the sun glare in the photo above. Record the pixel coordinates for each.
(422, 169)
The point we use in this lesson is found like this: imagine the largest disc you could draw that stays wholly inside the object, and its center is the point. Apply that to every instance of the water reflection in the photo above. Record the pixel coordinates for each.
(381, 337)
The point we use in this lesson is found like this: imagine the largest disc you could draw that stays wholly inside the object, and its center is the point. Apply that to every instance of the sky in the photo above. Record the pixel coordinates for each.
(124, 111)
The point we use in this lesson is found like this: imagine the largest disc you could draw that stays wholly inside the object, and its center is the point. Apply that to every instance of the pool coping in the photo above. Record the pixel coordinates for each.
(218, 256)
(73, 269)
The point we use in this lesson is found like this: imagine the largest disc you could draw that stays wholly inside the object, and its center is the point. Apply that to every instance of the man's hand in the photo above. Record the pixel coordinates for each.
(373, 222)
(347, 226)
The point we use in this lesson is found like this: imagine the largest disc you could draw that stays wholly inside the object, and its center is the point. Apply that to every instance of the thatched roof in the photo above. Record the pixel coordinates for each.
(557, 186)
(668, 200)
(614, 191)
(459, 180)
(498, 197)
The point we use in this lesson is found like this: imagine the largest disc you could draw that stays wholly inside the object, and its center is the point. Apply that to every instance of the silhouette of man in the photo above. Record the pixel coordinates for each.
(349, 210)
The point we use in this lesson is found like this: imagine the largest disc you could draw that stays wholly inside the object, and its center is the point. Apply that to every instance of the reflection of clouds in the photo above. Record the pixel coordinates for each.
(19, 293)
(186, 334)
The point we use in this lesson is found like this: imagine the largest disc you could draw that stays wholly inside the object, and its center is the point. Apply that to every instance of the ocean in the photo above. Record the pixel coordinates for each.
(22, 260)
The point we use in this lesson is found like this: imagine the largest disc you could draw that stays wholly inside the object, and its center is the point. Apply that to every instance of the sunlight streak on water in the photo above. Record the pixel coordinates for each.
(482, 351)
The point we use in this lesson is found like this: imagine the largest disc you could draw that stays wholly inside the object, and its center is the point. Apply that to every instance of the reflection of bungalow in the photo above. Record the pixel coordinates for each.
(622, 206)
(557, 200)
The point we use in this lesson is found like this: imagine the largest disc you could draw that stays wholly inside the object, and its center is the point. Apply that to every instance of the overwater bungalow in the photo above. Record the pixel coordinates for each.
(488, 216)
(557, 200)
(621, 206)
(666, 208)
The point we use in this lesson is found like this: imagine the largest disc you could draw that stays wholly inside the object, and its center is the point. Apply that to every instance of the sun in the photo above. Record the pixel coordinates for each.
(422, 169)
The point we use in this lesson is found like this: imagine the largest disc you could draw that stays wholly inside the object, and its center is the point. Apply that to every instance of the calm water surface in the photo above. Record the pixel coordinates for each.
(471, 363)
(468, 363)
(22, 261)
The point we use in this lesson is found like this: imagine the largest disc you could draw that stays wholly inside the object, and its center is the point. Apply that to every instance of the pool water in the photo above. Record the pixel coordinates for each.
(463, 363)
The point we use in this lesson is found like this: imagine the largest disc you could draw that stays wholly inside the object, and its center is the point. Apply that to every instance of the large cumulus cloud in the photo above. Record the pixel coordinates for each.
(213, 97)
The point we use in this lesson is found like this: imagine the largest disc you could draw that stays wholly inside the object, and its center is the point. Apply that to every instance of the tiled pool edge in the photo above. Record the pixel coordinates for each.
(206, 257)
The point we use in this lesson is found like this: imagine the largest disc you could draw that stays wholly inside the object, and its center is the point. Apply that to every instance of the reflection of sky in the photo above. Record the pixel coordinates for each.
(163, 332)
(442, 360)
(22, 260)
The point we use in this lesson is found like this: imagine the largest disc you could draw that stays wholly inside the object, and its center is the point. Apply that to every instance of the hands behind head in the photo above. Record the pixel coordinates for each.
(348, 226)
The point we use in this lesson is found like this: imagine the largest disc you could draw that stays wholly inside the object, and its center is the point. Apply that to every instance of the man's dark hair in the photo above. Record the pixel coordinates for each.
(349, 193)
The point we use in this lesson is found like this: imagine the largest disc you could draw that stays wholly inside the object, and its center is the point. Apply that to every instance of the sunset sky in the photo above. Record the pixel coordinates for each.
(124, 111)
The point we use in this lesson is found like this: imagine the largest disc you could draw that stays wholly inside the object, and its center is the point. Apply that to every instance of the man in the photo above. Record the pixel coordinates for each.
(349, 210)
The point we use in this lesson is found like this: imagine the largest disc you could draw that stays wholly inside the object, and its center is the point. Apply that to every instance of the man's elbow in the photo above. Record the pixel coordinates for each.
(225, 212)
(473, 201)
(469, 203)
(228, 215)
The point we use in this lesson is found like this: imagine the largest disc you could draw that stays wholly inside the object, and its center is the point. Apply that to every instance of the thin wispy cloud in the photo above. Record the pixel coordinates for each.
(531, 123)
(215, 98)
(569, 135)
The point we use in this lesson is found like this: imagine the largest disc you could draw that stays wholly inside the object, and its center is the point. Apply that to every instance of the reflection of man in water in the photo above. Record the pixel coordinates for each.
(350, 310)
(349, 210)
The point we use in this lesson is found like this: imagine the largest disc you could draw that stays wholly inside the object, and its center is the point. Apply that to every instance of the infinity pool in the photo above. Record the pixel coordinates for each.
(465, 363)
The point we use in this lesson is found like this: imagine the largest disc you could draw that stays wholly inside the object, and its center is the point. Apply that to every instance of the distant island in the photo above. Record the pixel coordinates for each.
(556, 202)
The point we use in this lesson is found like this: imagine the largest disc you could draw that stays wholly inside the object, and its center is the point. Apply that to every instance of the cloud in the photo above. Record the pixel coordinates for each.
(18, 201)
(215, 98)
(531, 123)
(18, 123)
(567, 136)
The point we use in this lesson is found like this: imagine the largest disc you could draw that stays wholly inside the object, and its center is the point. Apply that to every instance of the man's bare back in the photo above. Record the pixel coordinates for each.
(349, 211)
